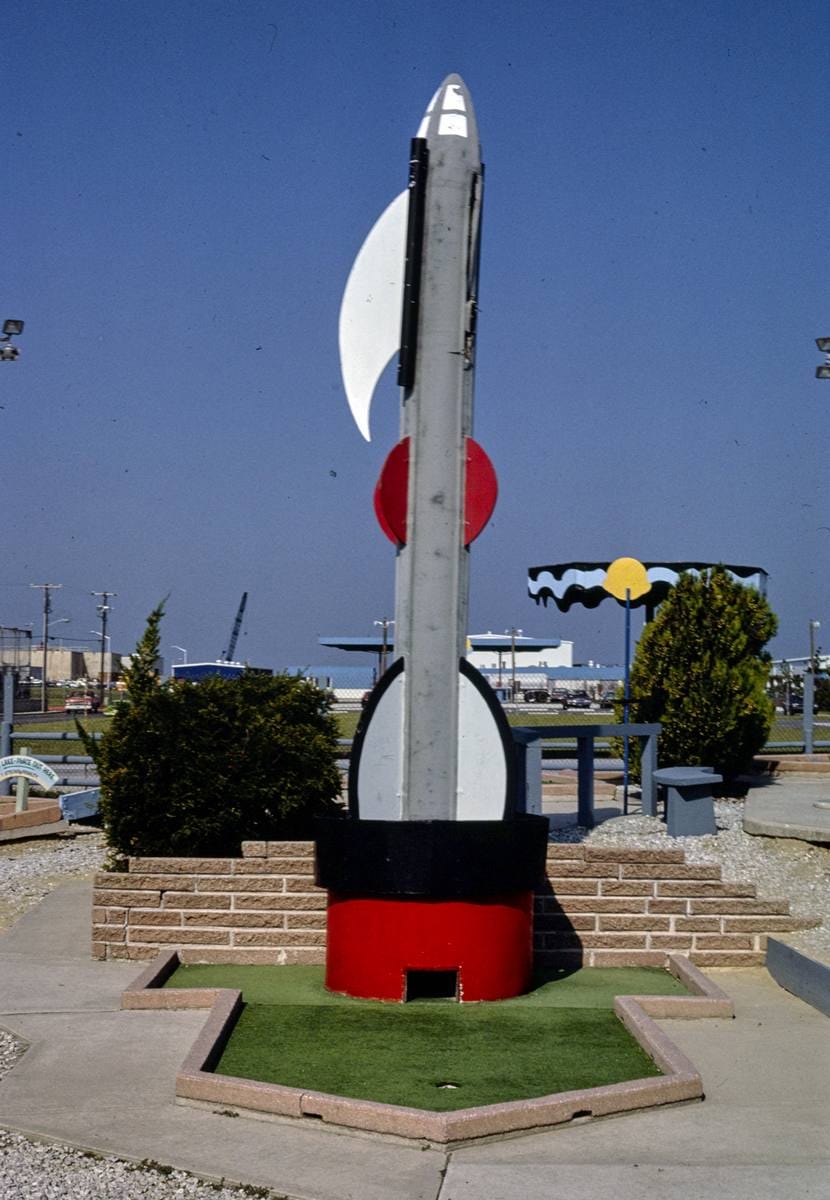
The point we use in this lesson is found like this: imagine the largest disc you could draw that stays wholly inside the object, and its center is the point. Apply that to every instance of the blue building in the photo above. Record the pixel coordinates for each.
(193, 672)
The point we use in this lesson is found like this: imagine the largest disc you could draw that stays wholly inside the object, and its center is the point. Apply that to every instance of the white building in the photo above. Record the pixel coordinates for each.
(495, 651)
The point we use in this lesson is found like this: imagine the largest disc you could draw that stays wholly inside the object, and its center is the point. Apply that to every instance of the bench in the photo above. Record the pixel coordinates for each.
(690, 807)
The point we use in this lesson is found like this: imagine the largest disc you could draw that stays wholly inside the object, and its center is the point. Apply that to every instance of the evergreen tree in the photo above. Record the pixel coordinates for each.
(700, 670)
(142, 675)
(196, 768)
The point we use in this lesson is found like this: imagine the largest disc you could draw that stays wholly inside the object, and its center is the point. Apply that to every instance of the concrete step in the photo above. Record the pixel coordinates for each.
(803, 764)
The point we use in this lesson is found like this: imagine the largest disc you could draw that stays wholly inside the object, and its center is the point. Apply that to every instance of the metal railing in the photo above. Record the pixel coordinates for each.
(791, 733)
(24, 737)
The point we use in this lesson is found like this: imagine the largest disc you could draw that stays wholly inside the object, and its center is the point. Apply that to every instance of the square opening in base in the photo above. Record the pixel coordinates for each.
(431, 985)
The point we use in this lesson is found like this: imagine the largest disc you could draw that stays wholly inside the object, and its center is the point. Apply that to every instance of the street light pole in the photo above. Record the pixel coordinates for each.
(384, 623)
(814, 625)
(47, 589)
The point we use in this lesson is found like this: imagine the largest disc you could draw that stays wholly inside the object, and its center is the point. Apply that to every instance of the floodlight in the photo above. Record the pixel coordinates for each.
(822, 343)
(12, 328)
(823, 372)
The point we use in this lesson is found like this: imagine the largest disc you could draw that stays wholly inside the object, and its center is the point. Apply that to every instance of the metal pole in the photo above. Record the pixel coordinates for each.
(626, 694)
(103, 609)
(103, 656)
(47, 608)
(47, 588)
(807, 715)
(385, 650)
(514, 632)
(6, 728)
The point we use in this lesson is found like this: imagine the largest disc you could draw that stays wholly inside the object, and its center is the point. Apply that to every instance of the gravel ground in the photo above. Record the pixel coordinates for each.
(29, 870)
(37, 1171)
(781, 869)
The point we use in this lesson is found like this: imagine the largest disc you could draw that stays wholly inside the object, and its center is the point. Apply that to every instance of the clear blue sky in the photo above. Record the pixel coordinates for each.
(187, 183)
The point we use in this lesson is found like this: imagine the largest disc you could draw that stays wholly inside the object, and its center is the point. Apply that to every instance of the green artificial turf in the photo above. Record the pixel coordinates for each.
(560, 1036)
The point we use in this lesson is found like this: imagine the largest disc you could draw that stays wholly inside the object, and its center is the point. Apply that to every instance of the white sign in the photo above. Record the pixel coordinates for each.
(21, 766)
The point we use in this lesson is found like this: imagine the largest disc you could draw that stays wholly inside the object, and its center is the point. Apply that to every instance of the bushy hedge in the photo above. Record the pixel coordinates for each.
(701, 671)
(196, 768)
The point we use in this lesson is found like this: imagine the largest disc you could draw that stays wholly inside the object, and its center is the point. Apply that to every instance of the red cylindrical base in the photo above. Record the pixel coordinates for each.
(378, 946)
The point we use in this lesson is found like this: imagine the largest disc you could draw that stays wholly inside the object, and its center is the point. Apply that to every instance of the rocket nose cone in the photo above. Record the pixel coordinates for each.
(450, 112)
(422, 128)
(457, 85)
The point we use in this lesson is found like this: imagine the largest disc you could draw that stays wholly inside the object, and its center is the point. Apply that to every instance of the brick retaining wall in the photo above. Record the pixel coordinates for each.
(605, 907)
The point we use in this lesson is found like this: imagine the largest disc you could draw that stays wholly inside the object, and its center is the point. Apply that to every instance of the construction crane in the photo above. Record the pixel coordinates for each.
(237, 625)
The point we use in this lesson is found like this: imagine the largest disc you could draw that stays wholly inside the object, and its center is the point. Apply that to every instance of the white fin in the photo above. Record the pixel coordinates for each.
(482, 769)
(370, 312)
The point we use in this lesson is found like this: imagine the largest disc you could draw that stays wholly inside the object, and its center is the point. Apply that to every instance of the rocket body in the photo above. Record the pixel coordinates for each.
(437, 412)
(439, 749)
(431, 874)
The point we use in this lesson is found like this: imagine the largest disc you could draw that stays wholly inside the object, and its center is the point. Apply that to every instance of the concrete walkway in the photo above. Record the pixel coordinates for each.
(790, 806)
(100, 1078)
(787, 805)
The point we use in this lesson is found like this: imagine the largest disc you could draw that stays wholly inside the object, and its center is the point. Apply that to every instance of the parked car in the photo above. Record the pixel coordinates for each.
(559, 696)
(578, 700)
(81, 702)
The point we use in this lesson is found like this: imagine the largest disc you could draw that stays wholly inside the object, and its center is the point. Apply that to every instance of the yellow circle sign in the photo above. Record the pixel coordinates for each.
(626, 575)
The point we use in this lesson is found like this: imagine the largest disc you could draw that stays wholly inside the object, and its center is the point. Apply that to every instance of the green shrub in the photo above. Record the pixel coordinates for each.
(196, 768)
(701, 671)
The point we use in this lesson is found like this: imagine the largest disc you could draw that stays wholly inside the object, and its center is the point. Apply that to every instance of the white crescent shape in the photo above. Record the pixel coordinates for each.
(379, 769)
(370, 312)
(482, 771)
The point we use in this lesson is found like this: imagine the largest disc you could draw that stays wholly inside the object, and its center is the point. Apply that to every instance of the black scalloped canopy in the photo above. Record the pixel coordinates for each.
(567, 584)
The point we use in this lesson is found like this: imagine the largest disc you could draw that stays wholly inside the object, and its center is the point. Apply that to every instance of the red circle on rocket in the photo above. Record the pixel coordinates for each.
(391, 491)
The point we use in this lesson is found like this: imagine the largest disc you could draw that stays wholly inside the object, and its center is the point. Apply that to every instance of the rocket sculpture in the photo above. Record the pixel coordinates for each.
(430, 878)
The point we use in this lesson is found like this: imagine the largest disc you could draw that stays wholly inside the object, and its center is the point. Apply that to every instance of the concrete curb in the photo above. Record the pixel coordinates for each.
(197, 1084)
(797, 808)
(770, 827)
(796, 972)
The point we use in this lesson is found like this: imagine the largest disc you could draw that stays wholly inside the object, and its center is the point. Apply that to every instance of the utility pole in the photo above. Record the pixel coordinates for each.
(103, 609)
(47, 589)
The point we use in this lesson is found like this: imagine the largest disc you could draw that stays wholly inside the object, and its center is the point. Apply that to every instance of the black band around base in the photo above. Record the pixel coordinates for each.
(430, 858)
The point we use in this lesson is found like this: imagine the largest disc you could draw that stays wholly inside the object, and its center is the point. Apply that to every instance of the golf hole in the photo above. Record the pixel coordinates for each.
(431, 985)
